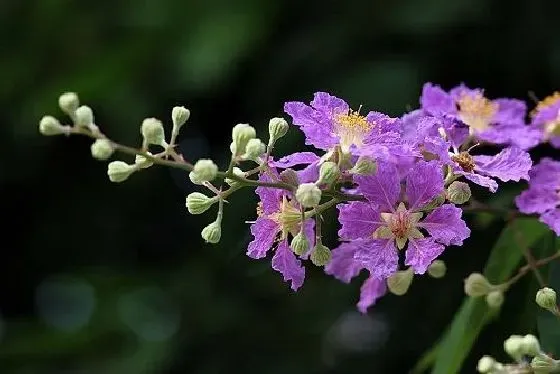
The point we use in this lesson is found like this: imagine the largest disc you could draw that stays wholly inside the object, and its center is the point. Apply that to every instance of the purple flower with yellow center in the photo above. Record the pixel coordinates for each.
(543, 195)
(545, 118)
(391, 221)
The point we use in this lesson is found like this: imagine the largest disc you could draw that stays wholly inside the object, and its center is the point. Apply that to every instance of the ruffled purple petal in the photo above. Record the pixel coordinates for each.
(511, 164)
(510, 112)
(417, 125)
(552, 219)
(457, 132)
(524, 137)
(270, 197)
(372, 289)
(358, 219)
(382, 188)
(342, 265)
(285, 262)
(421, 253)
(546, 114)
(298, 158)
(439, 147)
(546, 173)
(446, 226)
(309, 174)
(379, 256)
(265, 231)
(537, 200)
(316, 125)
(481, 180)
(423, 184)
(436, 101)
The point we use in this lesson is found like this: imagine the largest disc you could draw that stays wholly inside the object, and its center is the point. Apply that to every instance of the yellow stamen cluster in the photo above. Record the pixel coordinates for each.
(465, 161)
(351, 127)
(546, 102)
(476, 111)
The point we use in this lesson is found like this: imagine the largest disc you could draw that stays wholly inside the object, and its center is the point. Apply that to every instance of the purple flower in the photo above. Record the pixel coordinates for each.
(545, 119)
(543, 195)
(388, 221)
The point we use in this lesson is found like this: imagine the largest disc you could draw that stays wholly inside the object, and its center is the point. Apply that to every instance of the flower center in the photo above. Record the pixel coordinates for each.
(351, 128)
(476, 111)
(400, 226)
(289, 217)
(465, 161)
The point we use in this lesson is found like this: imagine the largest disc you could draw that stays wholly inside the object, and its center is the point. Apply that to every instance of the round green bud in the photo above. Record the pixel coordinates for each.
(198, 203)
(212, 233)
(328, 173)
(437, 269)
(238, 172)
(486, 364)
(477, 285)
(364, 166)
(495, 299)
(152, 131)
(69, 102)
(513, 346)
(289, 176)
(399, 282)
(142, 161)
(543, 364)
(179, 115)
(546, 298)
(277, 128)
(101, 149)
(50, 126)
(83, 116)
(308, 195)
(240, 135)
(300, 244)
(254, 149)
(204, 171)
(458, 192)
(531, 345)
(320, 255)
(119, 171)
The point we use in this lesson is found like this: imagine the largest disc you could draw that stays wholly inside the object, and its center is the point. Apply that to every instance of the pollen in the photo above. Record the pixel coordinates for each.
(465, 161)
(546, 102)
(351, 127)
(476, 111)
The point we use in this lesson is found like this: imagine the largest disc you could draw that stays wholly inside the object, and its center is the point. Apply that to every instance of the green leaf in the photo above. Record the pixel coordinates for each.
(474, 314)
(548, 324)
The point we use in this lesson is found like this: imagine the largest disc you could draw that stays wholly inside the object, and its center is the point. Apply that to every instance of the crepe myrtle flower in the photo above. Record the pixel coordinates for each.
(389, 222)
(545, 118)
(499, 121)
(543, 195)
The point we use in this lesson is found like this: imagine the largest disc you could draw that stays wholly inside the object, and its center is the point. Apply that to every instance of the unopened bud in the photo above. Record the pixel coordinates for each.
(546, 298)
(513, 346)
(204, 170)
(458, 192)
(530, 345)
(101, 149)
(543, 364)
(477, 285)
(152, 131)
(254, 149)
(300, 244)
(69, 102)
(328, 173)
(142, 161)
(179, 115)
(437, 269)
(50, 126)
(495, 299)
(320, 255)
(238, 172)
(119, 171)
(277, 128)
(241, 134)
(486, 364)
(308, 195)
(364, 166)
(399, 282)
(198, 203)
(289, 176)
(83, 116)
(212, 233)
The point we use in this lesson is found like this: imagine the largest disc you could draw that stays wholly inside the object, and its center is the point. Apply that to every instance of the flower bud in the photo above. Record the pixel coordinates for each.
(513, 346)
(399, 282)
(101, 149)
(320, 255)
(152, 131)
(437, 269)
(300, 244)
(543, 364)
(364, 166)
(205, 170)
(458, 192)
(530, 345)
(328, 173)
(68, 102)
(119, 171)
(477, 285)
(546, 298)
(198, 203)
(179, 115)
(212, 233)
(83, 116)
(194, 178)
(50, 126)
(289, 176)
(241, 134)
(254, 149)
(277, 128)
(308, 195)
(486, 364)
(495, 299)
(142, 161)
(238, 172)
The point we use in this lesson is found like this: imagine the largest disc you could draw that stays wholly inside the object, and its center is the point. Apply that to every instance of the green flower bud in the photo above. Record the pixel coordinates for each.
(300, 244)
(308, 195)
(254, 149)
(152, 131)
(277, 128)
(238, 172)
(241, 134)
(546, 298)
(458, 192)
(399, 282)
(486, 364)
(320, 255)
(289, 176)
(119, 171)
(198, 203)
(69, 102)
(50, 126)
(101, 149)
(328, 173)
(513, 346)
(530, 345)
(437, 269)
(83, 116)
(543, 364)
(204, 171)
(194, 178)
(364, 166)
(212, 233)
(477, 285)
(495, 299)
(142, 161)
(179, 115)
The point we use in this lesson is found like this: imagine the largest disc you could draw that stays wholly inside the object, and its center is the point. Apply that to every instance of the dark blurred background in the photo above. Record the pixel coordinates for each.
(114, 278)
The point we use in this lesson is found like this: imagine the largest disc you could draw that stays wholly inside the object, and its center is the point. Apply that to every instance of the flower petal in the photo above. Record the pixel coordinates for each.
(316, 125)
(423, 184)
(270, 197)
(285, 262)
(436, 101)
(298, 158)
(481, 180)
(265, 231)
(372, 289)
(511, 164)
(379, 256)
(446, 226)
(343, 266)
(546, 173)
(537, 200)
(552, 219)
(382, 188)
(358, 219)
(421, 253)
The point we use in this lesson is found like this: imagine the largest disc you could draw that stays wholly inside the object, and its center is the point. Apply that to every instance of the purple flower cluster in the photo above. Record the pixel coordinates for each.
(404, 205)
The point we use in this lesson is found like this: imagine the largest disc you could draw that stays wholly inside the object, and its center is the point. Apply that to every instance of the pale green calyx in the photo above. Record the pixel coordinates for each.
(300, 244)
(458, 192)
(254, 149)
(198, 203)
(328, 173)
(513, 346)
(542, 364)
(308, 195)
(83, 116)
(50, 126)
(495, 299)
(101, 149)
(437, 269)
(277, 128)
(68, 103)
(399, 282)
(119, 171)
(240, 135)
(237, 172)
(476, 285)
(204, 171)
(530, 345)
(364, 166)
(152, 132)
(546, 298)
(142, 161)
(179, 115)
(320, 255)
(213, 232)
(400, 226)
(486, 365)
